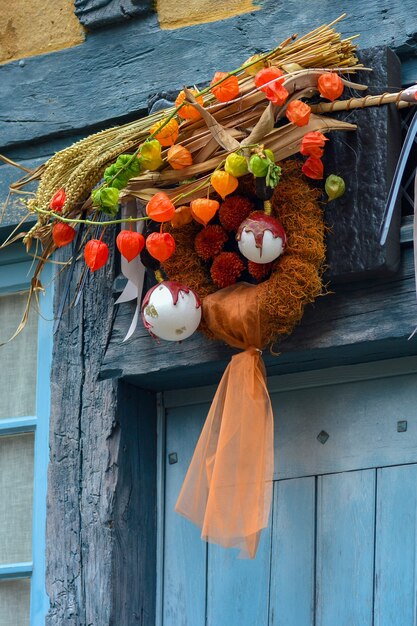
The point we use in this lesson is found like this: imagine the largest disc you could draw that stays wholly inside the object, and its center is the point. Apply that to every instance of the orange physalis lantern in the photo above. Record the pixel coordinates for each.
(312, 144)
(266, 75)
(188, 111)
(96, 253)
(330, 85)
(168, 134)
(58, 200)
(130, 244)
(298, 112)
(227, 90)
(181, 217)
(313, 168)
(179, 157)
(160, 208)
(160, 245)
(269, 80)
(62, 234)
(203, 210)
(223, 183)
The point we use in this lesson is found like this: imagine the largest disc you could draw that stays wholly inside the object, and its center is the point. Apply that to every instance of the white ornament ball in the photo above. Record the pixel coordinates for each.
(171, 311)
(261, 238)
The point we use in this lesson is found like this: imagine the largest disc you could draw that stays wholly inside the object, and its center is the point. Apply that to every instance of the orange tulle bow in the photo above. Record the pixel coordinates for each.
(227, 491)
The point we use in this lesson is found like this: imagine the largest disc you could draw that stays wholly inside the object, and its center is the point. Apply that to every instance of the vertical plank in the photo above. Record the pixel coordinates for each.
(184, 551)
(345, 549)
(132, 451)
(83, 470)
(292, 568)
(395, 562)
(39, 601)
(238, 589)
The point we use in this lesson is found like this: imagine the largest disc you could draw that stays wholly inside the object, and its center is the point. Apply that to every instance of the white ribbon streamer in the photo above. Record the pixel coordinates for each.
(133, 271)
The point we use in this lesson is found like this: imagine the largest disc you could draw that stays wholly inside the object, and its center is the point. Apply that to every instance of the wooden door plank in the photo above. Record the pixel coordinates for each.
(292, 565)
(238, 589)
(361, 421)
(345, 549)
(395, 560)
(184, 551)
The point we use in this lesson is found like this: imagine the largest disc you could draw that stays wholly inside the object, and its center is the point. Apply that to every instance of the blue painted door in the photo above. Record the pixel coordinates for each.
(340, 549)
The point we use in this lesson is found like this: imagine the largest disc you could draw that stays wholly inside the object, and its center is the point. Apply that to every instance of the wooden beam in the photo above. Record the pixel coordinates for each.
(359, 322)
(98, 13)
(366, 160)
(111, 75)
(84, 448)
(101, 526)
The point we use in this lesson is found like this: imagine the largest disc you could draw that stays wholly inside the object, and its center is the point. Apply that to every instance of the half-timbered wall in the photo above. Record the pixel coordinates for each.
(101, 528)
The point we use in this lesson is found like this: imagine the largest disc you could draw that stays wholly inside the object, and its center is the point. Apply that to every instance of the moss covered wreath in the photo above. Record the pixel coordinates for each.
(293, 280)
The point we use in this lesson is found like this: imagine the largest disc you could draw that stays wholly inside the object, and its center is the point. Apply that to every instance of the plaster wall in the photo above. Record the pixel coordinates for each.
(38, 26)
(173, 14)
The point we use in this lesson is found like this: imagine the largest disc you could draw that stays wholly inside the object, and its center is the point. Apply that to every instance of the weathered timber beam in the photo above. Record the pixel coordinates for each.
(111, 75)
(366, 160)
(363, 321)
(97, 13)
(83, 469)
(101, 525)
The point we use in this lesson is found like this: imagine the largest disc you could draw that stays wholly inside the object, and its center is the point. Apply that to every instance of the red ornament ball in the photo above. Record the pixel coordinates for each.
(96, 253)
(62, 234)
(210, 241)
(226, 269)
(171, 311)
(261, 238)
(233, 211)
(130, 244)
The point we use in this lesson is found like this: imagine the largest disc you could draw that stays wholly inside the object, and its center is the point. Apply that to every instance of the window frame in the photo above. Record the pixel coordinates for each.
(15, 275)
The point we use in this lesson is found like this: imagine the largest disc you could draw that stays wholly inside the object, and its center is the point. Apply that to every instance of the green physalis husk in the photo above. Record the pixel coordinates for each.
(106, 199)
(258, 165)
(334, 186)
(119, 173)
(263, 166)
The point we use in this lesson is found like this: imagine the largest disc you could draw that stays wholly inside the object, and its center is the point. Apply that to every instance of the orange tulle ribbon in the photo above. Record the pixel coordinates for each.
(227, 491)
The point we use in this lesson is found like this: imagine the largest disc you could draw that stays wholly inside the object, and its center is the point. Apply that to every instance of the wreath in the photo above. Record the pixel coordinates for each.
(294, 279)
